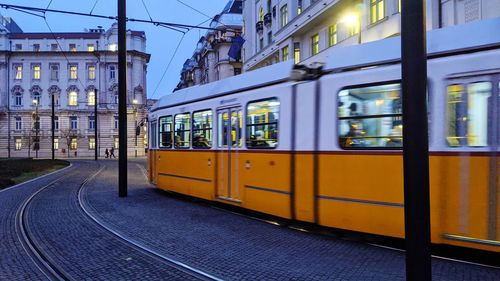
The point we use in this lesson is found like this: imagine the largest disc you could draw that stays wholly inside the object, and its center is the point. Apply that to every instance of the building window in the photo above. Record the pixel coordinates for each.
(262, 123)
(113, 47)
(36, 98)
(56, 123)
(91, 72)
(377, 10)
(91, 98)
(19, 99)
(19, 47)
(112, 72)
(90, 48)
(56, 143)
(36, 72)
(284, 15)
(19, 144)
(237, 71)
(261, 43)
(72, 47)
(315, 44)
(19, 124)
(115, 97)
(36, 47)
(261, 14)
(370, 117)
(54, 47)
(73, 144)
(182, 137)
(91, 143)
(73, 99)
(284, 53)
(296, 52)
(73, 121)
(19, 72)
(54, 72)
(116, 143)
(202, 129)
(116, 122)
(332, 35)
(91, 122)
(73, 72)
(299, 7)
(269, 37)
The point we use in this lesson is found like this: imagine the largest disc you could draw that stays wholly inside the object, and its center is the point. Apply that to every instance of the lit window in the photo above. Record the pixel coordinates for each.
(296, 52)
(91, 72)
(91, 98)
(72, 47)
(262, 123)
(19, 72)
(19, 99)
(73, 121)
(73, 99)
(182, 130)
(36, 47)
(332, 35)
(19, 124)
(166, 132)
(284, 15)
(468, 114)
(116, 143)
(90, 48)
(370, 117)
(73, 72)
(36, 72)
(113, 47)
(299, 7)
(92, 143)
(202, 129)
(54, 72)
(56, 144)
(377, 10)
(112, 72)
(315, 44)
(261, 14)
(74, 144)
(91, 122)
(19, 144)
(36, 98)
(284, 53)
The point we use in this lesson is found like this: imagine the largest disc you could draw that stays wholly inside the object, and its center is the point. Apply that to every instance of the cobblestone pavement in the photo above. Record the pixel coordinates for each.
(81, 249)
(237, 248)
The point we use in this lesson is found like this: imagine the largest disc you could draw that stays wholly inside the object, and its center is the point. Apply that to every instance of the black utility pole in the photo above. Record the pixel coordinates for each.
(415, 141)
(96, 148)
(122, 98)
(53, 126)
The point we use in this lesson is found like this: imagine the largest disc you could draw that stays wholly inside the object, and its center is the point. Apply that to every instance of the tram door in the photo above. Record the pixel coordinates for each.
(229, 142)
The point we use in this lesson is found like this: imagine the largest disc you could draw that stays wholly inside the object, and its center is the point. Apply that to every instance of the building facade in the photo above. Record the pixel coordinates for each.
(80, 70)
(308, 30)
(210, 60)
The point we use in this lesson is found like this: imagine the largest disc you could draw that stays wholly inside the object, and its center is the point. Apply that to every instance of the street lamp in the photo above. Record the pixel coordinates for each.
(353, 21)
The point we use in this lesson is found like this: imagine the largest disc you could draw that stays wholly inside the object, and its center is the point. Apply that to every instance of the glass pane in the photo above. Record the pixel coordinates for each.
(202, 129)
(182, 130)
(477, 127)
(166, 132)
(223, 124)
(457, 115)
(236, 124)
(370, 117)
(262, 123)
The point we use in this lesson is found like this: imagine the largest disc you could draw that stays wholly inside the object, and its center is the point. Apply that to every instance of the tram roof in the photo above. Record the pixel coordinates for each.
(462, 37)
(264, 76)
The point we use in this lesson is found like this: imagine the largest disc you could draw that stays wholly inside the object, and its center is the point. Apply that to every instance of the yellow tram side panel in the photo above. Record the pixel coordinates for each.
(187, 172)
(151, 165)
(465, 185)
(265, 181)
(304, 191)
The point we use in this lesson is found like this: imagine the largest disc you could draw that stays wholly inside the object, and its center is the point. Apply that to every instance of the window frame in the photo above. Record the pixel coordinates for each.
(190, 131)
(284, 15)
(376, 3)
(211, 128)
(245, 124)
(159, 132)
(315, 44)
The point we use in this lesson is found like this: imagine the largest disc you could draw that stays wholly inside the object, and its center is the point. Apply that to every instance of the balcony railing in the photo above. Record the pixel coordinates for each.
(259, 26)
(268, 19)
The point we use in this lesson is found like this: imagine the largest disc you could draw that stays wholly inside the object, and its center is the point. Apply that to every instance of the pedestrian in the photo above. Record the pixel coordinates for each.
(106, 153)
(112, 151)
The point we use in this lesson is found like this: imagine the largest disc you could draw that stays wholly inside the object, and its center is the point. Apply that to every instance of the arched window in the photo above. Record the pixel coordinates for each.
(36, 98)
(73, 98)
(18, 99)
(91, 98)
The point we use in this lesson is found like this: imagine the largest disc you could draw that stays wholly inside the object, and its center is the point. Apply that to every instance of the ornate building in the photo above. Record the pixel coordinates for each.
(210, 60)
(308, 30)
(79, 69)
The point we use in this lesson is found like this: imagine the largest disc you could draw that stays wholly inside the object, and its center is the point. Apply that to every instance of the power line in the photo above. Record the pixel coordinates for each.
(93, 7)
(168, 66)
(200, 12)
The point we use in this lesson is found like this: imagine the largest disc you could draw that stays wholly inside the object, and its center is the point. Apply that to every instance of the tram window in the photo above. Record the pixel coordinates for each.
(370, 117)
(182, 130)
(222, 125)
(262, 123)
(468, 114)
(202, 129)
(153, 134)
(166, 131)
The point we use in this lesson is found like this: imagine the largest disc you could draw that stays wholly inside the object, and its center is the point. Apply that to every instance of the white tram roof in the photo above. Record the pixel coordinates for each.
(263, 76)
(454, 38)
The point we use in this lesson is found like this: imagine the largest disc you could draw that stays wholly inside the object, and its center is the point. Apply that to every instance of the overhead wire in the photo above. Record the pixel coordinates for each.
(93, 7)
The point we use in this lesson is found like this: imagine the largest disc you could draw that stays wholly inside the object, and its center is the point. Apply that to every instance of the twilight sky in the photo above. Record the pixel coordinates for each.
(161, 42)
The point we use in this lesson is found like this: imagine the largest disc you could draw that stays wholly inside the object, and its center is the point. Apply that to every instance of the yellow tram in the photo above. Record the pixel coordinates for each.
(328, 150)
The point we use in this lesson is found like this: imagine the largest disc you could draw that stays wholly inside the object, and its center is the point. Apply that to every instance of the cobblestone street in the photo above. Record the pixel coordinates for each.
(180, 237)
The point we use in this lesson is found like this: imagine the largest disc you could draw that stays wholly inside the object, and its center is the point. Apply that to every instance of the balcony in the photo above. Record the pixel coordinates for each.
(259, 26)
(268, 19)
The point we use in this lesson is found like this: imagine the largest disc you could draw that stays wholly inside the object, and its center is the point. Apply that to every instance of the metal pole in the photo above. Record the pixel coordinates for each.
(415, 140)
(96, 155)
(122, 98)
(53, 125)
(37, 128)
(8, 99)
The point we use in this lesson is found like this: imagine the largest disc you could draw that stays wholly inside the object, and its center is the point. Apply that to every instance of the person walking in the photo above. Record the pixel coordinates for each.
(112, 151)
(106, 153)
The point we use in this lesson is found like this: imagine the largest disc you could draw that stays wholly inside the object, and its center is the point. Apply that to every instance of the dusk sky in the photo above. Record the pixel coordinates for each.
(161, 42)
